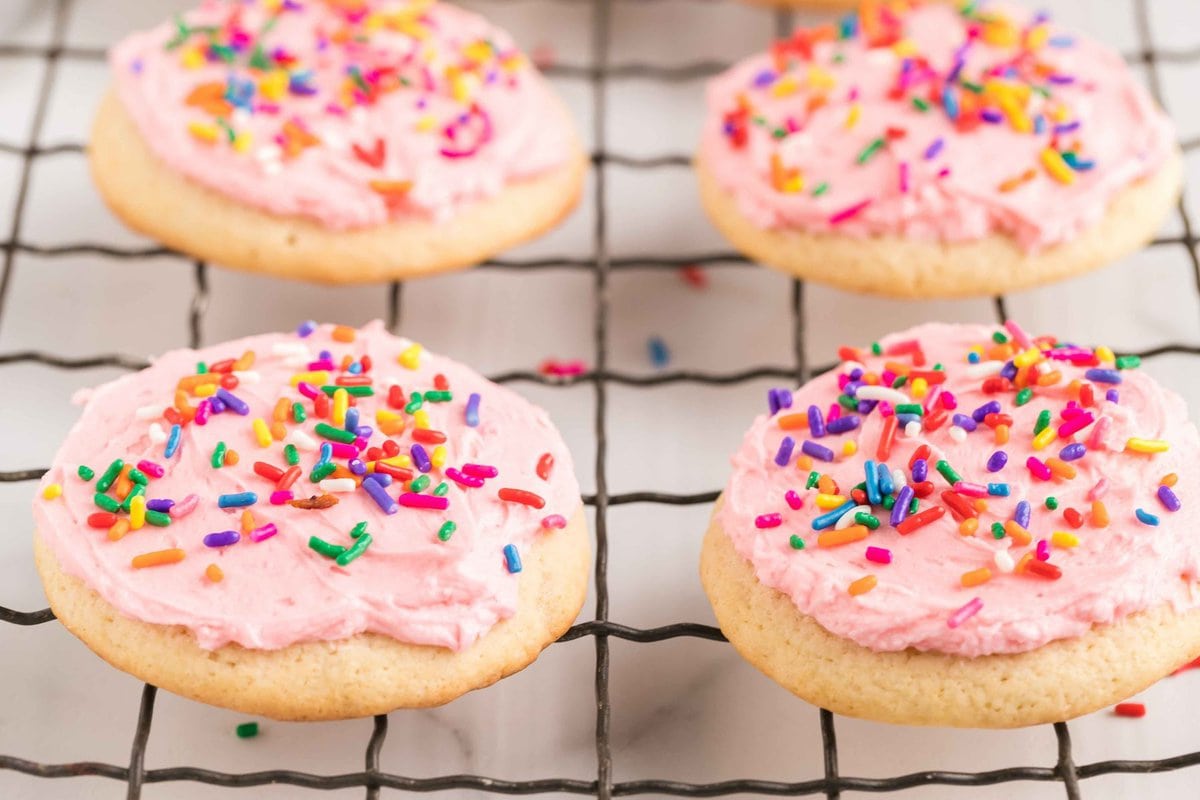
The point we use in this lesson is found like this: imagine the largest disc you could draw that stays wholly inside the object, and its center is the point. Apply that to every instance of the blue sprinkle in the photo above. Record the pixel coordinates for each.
(306, 329)
(326, 453)
(1146, 517)
(1022, 514)
(904, 419)
(830, 518)
(351, 419)
(472, 412)
(886, 484)
(660, 356)
(950, 103)
(237, 500)
(173, 441)
(998, 489)
(785, 451)
(973, 358)
(1103, 375)
(873, 495)
(512, 559)
(355, 368)
(373, 486)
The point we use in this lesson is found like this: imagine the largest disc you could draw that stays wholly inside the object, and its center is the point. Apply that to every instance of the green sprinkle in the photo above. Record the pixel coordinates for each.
(415, 401)
(821, 189)
(876, 349)
(258, 59)
(971, 87)
(137, 476)
(870, 150)
(159, 519)
(247, 730)
(357, 549)
(447, 530)
(938, 367)
(419, 483)
(999, 338)
(353, 391)
(1128, 362)
(813, 477)
(1024, 396)
(137, 490)
(914, 505)
(298, 414)
(327, 431)
(899, 381)
(796, 542)
(87, 473)
(441, 489)
(322, 471)
(911, 408)
(358, 530)
(107, 503)
(947, 471)
(920, 104)
(325, 548)
(1043, 422)
(998, 530)
(438, 397)
(779, 133)
(889, 502)
(847, 402)
(218, 456)
(106, 480)
(291, 454)
(870, 520)
(201, 368)
(1051, 503)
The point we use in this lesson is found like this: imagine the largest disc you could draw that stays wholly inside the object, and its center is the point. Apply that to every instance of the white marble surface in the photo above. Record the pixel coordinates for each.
(682, 709)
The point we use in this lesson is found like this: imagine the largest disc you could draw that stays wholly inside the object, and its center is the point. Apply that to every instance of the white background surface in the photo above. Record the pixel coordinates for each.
(683, 709)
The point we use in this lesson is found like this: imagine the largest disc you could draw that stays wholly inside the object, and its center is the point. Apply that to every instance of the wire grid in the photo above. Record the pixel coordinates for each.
(372, 778)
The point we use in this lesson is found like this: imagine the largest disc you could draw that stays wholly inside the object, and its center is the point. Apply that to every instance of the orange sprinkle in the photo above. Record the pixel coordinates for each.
(123, 485)
(283, 408)
(248, 523)
(1170, 479)
(158, 558)
(897, 367)
(1017, 533)
(245, 362)
(190, 382)
(790, 422)
(976, 577)
(855, 533)
(1001, 434)
(1099, 515)
(1025, 559)
(214, 573)
(343, 333)
(231, 457)
(863, 585)
(968, 526)
(118, 530)
(981, 504)
(825, 485)
(1049, 378)
(804, 462)
(278, 431)
(1060, 468)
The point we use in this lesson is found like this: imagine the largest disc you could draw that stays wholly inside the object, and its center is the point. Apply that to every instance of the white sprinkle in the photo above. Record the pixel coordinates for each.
(847, 519)
(302, 440)
(338, 485)
(958, 434)
(850, 366)
(1004, 562)
(297, 362)
(157, 434)
(290, 349)
(913, 429)
(893, 396)
(983, 369)
(899, 478)
(148, 412)
(247, 376)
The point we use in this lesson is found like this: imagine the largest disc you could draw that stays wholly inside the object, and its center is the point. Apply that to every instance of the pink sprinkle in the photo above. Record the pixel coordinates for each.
(1018, 334)
(971, 489)
(1099, 490)
(904, 177)
(949, 401)
(885, 409)
(1096, 440)
(880, 555)
(554, 521)
(795, 502)
(965, 613)
(768, 520)
(888, 377)
(307, 389)
(202, 412)
(282, 497)
(264, 532)
(342, 450)
(849, 211)
(480, 470)
(151, 469)
(835, 412)
(469, 481)
(359, 444)
(843, 379)
(413, 500)
(1075, 424)
(1043, 550)
(185, 506)
(322, 365)
(1039, 469)
(931, 399)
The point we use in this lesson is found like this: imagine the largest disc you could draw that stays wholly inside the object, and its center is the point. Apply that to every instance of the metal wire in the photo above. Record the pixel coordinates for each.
(599, 73)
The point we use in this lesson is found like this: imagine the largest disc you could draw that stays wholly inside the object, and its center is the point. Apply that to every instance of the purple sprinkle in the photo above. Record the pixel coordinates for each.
(784, 456)
(900, 509)
(264, 532)
(1103, 375)
(968, 424)
(1070, 127)
(992, 407)
(160, 504)
(222, 539)
(472, 412)
(306, 328)
(384, 500)
(1168, 498)
(785, 398)
(238, 405)
(773, 402)
(1112, 396)
(1009, 371)
(843, 424)
(420, 458)
(1073, 452)
(920, 470)
(1022, 513)
(351, 420)
(997, 461)
(991, 115)
(764, 78)
(216, 405)
(816, 422)
(357, 466)
(932, 151)
(817, 451)
(383, 478)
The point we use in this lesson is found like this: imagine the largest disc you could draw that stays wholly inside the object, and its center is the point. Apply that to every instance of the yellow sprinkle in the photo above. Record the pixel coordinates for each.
(204, 131)
(1027, 358)
(1016, 115)
(242, 142)
(1037, 37)
(1063, 539)
(1044, 438)
(863, 585)
(1147, 445)
(426, 123)
(403, 460)
(411, 357)
(137, 512)
(191, 58)
(438, 456)
(785, 86)
(850, 447)
(853, 115)
(206, 390)
(919, 388)
(1058, 169)
(317, 378)
(262, 433)
(478, 51)
(1001, 33)
(820, 79)
(52, 491)
(828, 501)
(905, 48)
(421, 419)
(273, 85)
(341, 402)
(1105, 354)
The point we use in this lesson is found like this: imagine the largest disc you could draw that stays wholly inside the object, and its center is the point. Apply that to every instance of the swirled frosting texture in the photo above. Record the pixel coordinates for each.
(934, 125)
(408, 584)
(1112, 572)
(347, 112)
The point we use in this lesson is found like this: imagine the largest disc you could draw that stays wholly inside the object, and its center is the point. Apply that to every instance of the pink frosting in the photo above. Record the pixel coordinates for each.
(832, 106)
(460, 75)
(408, 584)
(1114, 571)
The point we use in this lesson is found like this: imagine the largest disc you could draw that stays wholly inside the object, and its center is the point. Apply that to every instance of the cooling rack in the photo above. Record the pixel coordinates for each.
(600, 265)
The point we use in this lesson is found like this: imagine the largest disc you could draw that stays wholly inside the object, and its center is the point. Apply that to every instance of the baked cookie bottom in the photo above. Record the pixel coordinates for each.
(1058, 681)
(364, 675)
(897, 266)
(158, 202)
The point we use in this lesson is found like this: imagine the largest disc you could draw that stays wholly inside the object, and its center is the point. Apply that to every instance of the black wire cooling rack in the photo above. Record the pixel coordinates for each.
(600, 628)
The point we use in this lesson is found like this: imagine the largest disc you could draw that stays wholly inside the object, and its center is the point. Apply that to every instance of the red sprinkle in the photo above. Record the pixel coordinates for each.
(523, 497)
(1130, 710)
(102, 519)
(286, 479)
(921, 519)
(1073, 517)
(1193, 664)
(395, 397)
(694, 275)
(886, 438)
(268, 471)
(399, 473)
(321, 406)
(1044, 569)
(425, 436)
(440, 383)
(544, 465)
(960, 507)
(921, 452)
(923, 488)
